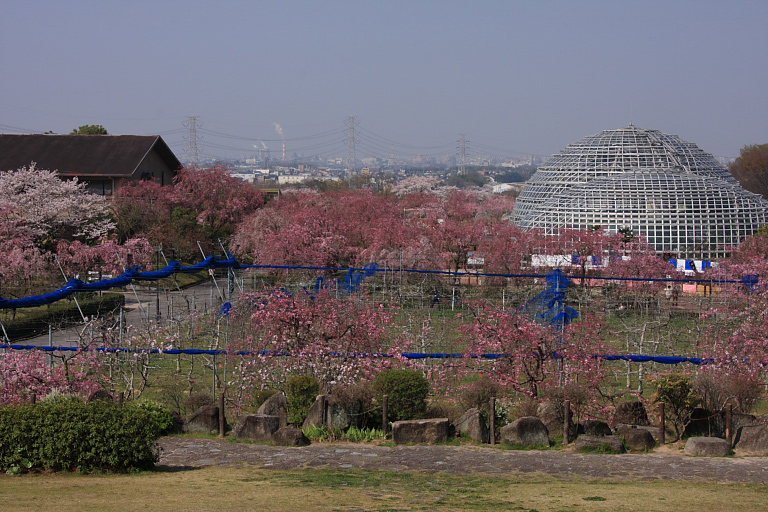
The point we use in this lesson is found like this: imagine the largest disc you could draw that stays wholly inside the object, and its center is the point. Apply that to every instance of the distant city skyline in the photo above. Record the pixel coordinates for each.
(516, 78)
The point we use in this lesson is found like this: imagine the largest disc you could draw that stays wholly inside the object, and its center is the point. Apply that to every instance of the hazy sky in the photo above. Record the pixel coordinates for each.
(514, 76)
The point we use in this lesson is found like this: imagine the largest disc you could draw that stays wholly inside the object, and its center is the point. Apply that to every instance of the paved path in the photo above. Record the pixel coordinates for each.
(196, 452)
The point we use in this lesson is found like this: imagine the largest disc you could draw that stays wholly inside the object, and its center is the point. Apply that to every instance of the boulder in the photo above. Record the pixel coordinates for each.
(705, 423)
(275, 405)
(652, 430)
(637, 439)
(205, 420)
(632, 413)
(335, 413)
(526, 431)
(340, 415)
(256, 427)
(429, 431)
(316, 413)
(101, 394)
(752, 438)
(472, 424)
(605, 444)
(290, 436)
(707, 446)
(596, 428)
(552, 415)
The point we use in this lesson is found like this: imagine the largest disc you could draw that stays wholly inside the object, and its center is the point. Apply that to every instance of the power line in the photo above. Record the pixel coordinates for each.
(192, 124)
(351, 122)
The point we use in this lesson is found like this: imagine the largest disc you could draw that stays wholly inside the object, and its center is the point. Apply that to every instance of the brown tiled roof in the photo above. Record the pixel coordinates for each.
(83, 155)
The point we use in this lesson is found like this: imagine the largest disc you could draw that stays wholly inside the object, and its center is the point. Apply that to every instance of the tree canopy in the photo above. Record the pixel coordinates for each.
(751, 168)
(90, 129)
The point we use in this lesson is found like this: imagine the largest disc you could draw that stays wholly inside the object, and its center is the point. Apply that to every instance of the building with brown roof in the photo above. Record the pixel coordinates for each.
(101, 161)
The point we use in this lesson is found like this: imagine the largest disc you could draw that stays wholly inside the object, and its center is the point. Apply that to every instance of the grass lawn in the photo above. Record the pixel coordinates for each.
(239, 489)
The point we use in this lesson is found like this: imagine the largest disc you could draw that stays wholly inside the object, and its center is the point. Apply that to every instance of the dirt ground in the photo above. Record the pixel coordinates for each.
(667, 463)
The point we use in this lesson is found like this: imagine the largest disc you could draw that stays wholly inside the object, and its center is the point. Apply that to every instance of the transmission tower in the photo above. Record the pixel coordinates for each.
(350, 123)
(192, 124)
(462, 148)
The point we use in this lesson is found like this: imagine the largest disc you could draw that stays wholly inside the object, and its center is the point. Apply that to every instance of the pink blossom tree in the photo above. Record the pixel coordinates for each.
(534, 357)
(339, 341)
(51, 208)
(24, 374)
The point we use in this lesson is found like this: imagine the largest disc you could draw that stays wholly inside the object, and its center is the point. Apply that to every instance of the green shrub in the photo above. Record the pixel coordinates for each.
(162, 414)
(300, 392)
(197, 400)
(676, 390)
(261, 396)
(407, 391)
(68, 434)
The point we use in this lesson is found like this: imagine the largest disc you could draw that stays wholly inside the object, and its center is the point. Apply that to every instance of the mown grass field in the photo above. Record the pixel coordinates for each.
(242, 489)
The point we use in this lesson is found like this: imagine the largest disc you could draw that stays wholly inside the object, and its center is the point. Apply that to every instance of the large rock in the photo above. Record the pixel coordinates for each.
(316, 413)
(256, 427)
(704, 423)
(290, 436)
(100, 394)
(275, 405)
(596, 428)
(334, 413)
(632, 413)
(553, 417)
(637, 439)
(204, 420)
(707, 446)
(603, 444)
(526, 431)
(472, 424)
(430, 431)
(652, 430)
(752, 438)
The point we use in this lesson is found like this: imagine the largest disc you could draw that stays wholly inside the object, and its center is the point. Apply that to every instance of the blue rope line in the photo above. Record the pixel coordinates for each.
(212, 262)
(407, 355)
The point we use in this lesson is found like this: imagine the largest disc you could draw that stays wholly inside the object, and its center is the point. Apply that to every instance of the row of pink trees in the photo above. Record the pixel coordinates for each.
(203, 205)
(46, 221)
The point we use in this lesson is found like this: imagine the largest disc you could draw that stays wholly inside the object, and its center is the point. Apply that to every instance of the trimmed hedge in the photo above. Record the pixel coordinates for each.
(300, 392)
(407, 391)
(68, 434)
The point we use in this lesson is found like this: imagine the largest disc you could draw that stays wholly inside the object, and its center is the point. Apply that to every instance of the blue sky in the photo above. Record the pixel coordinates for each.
(517, 77)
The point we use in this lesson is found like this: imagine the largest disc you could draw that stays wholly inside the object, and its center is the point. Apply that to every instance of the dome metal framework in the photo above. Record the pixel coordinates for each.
(679, 197)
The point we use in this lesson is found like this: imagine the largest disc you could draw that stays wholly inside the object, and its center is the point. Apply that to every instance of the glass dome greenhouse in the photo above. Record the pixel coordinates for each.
(680, 198)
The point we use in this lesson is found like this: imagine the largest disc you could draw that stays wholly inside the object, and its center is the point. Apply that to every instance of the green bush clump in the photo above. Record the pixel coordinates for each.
(677, 391)
(300, 392)
(67, 434)
(407, 391)
(162, 414)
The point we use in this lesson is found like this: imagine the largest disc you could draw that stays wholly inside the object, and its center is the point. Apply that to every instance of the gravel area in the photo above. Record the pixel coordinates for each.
(665, 464)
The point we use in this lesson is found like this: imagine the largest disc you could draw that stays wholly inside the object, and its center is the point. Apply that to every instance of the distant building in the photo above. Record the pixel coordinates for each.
(660, 186)
(103, 162)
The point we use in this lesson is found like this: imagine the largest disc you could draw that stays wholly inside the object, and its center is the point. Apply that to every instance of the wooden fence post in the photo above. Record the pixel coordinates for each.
(323, 410)
(384, 412)
(222, 420)
(492, 418)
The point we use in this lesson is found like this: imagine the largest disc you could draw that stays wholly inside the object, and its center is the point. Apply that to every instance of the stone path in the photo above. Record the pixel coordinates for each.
(196, 452)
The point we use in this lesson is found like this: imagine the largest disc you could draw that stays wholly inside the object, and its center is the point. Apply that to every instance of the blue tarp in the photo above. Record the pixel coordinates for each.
(407, 355)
